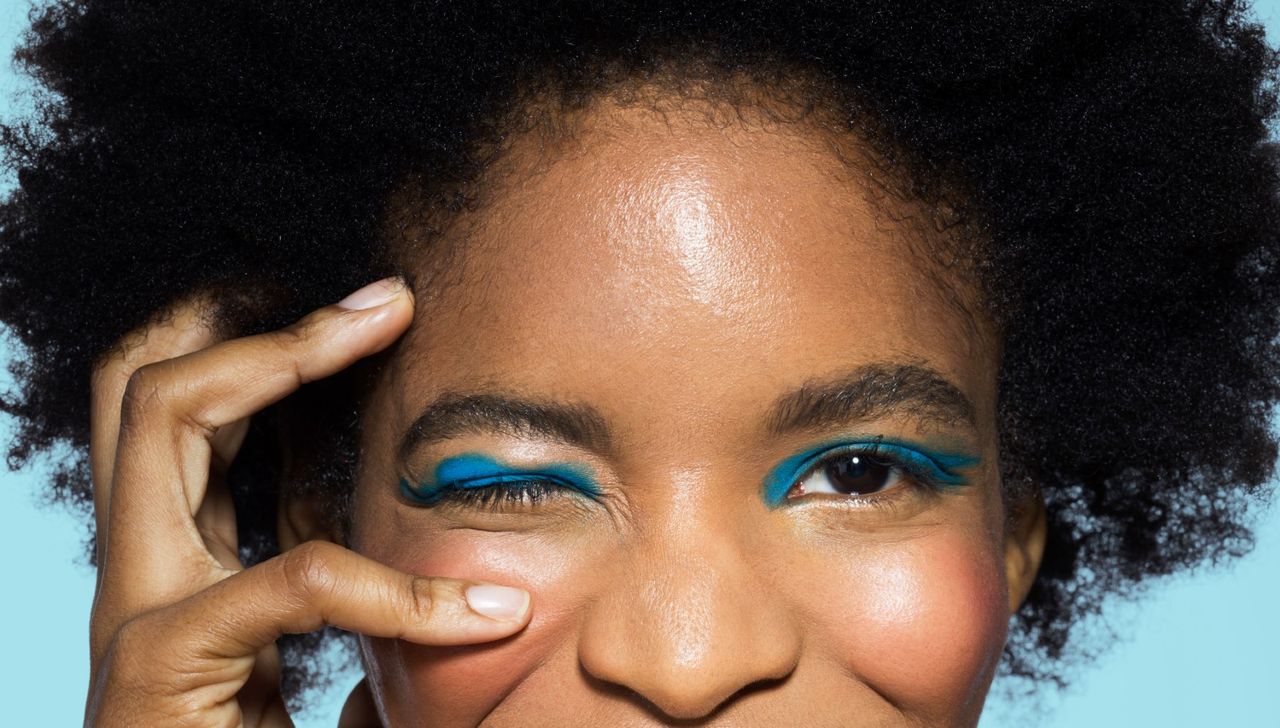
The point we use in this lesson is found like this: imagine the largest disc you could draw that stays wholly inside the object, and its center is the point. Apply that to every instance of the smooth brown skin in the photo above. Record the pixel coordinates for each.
(678, 278)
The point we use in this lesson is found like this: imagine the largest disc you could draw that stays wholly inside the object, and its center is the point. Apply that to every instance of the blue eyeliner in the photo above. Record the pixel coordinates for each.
(470, 471)
(935, 467)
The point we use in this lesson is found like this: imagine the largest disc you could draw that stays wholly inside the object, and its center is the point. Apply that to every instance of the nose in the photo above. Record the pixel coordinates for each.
(688, 623)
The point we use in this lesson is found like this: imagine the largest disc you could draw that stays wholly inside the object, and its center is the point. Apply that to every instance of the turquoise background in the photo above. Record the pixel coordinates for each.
(1197, 651)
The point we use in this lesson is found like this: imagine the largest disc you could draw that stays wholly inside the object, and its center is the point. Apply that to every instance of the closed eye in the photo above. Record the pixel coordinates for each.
(493, 494)
(475, 479)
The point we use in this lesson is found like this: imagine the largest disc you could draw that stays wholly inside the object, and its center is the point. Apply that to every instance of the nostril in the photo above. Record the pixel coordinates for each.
(682, 698)
(687, 641)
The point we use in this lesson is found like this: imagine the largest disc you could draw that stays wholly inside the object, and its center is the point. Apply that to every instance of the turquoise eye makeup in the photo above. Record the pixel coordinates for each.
(843, 467)
(477, 479)
(863, 467)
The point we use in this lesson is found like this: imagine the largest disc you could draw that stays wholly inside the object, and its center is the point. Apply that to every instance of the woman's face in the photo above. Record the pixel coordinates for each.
(718, 413)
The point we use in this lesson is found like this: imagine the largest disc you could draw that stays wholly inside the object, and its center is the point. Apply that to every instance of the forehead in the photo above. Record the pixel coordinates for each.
(708, 263)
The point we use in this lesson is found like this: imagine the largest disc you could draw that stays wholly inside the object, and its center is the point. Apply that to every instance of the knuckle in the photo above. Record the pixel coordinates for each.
(161, 390)
(309, 572)
(102, 632)
(292, 343)
(425, 594)
(134, 635)
(142, 666)
(145, 386)
(298, 333)
(107, 374)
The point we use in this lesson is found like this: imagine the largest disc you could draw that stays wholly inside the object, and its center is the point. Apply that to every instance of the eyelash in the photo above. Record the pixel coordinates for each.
(509, 490)
(524, 493)
(527, 492)
(919, 467)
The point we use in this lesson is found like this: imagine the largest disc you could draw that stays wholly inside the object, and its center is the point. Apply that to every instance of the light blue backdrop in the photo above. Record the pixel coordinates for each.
(1198, 651)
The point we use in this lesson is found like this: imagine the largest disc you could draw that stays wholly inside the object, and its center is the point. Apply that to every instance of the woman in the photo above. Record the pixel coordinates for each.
(733, 364)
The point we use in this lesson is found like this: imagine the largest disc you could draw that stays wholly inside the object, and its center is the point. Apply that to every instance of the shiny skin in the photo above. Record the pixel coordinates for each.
(678, 276)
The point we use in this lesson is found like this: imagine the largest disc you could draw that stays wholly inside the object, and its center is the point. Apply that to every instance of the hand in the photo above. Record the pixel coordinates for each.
(181, 633)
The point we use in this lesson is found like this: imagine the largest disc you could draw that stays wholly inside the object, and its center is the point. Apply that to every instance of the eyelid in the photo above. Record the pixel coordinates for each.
(935, 468)
(476, 471)
(485, 481)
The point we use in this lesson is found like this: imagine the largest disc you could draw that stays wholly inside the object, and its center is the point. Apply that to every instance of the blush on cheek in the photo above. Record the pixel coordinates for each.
(923, 623)
(459, 685)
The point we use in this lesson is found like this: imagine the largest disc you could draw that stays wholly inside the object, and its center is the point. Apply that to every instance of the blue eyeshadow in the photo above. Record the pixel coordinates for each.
(933, 465)
(469, 471)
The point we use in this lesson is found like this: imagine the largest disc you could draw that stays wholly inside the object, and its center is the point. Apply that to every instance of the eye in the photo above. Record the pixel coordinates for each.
(477, 480)
(865, 468)
(850, 474)
(494, 495)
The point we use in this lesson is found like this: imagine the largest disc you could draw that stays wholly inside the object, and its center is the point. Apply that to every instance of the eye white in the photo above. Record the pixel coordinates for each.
(819, 481)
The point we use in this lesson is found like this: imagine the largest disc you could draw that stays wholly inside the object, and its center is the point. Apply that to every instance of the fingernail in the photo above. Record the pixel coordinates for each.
(374, 294)
(497, 602)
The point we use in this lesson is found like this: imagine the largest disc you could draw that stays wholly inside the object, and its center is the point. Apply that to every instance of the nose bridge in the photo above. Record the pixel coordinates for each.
(687, 621)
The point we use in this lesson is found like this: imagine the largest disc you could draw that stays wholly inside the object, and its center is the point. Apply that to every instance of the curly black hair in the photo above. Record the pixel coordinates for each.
(1113, 156)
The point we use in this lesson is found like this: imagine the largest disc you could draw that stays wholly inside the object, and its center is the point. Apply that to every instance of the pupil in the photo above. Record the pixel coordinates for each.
(858, 474)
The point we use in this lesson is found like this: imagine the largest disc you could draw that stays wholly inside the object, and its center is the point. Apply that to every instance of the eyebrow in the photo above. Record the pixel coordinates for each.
(455, 413)
(864, 393)
(868, 392)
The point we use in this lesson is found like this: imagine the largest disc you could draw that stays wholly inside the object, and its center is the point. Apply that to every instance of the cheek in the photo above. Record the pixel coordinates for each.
(923, 622)
(459, 685)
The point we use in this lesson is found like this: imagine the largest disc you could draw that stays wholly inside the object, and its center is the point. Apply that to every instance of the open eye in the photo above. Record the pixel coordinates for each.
(850, 474)
(862, 469)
